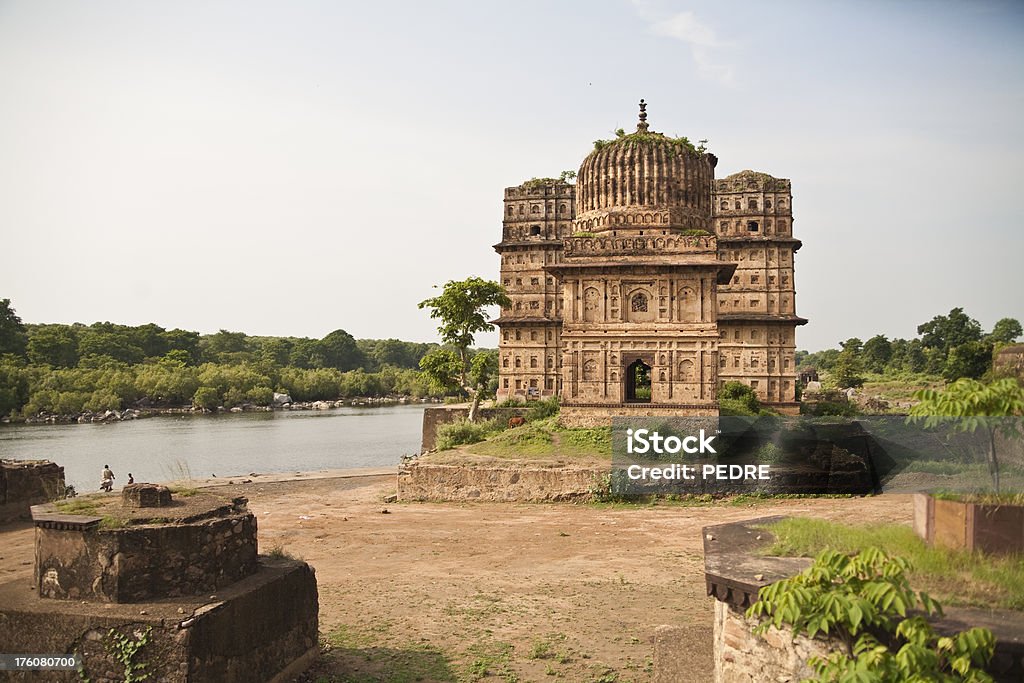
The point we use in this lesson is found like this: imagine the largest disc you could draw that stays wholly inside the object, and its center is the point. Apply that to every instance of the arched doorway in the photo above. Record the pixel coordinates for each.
(638, 382)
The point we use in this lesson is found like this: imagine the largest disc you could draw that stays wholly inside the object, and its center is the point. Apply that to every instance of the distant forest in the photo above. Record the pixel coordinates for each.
(70, 369)
(948, 346)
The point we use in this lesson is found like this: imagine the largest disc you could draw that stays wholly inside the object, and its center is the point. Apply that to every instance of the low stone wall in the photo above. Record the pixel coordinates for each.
(87, 562)
(735, 573)
(741, 656)
(262, 629)
(430, 482)
(436, 416)
(24, 483)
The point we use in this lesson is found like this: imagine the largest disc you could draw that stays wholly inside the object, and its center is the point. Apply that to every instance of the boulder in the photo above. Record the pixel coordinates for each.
(282, 399)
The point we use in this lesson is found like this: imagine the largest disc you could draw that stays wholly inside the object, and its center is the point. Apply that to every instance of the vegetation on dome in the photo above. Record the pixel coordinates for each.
(681, 144)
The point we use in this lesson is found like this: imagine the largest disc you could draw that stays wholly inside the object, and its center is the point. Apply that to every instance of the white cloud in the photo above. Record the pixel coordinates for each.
(703, 42)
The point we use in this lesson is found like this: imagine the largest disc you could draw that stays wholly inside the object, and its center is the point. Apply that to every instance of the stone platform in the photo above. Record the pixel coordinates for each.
(261, 629)
(113, 550)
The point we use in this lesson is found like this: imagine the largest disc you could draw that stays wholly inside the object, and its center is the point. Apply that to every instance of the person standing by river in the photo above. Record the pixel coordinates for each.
(108, 479)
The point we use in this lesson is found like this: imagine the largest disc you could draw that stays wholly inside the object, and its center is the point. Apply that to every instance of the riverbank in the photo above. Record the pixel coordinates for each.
(492, 591)
(108, 416)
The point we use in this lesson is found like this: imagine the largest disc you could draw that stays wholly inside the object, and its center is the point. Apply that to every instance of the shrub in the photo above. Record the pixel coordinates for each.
(863, 601)
(206, 397)
(464, 432)
(540, 410)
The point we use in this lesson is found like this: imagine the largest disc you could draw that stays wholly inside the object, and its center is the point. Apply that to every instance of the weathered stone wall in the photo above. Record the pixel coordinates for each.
(741, 656)
(24, 483)
(425, 481)
(148, 561)
(434, 417)
(262, 629)
(601, 416)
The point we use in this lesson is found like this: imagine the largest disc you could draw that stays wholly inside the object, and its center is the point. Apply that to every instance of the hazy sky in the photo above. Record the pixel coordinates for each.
(290, 168)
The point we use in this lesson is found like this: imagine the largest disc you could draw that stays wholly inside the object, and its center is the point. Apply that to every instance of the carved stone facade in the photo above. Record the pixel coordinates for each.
(753, 218)
(634, 293)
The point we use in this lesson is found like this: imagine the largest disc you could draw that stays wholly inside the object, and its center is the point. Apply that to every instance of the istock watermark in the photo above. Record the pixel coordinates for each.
(804, 455)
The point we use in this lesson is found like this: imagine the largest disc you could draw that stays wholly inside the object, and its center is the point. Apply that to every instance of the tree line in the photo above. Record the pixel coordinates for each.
(952, 346)
(69, 369)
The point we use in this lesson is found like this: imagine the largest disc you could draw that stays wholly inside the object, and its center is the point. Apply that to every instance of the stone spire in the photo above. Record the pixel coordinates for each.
(641, 127)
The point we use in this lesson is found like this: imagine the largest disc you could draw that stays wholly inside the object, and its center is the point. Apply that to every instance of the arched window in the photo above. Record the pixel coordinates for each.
(638, 303)
(533, 361)
(752, 203)
(504, 363)
(535, 209)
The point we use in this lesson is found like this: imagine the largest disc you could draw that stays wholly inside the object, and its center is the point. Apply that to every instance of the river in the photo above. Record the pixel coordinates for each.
(173, 447)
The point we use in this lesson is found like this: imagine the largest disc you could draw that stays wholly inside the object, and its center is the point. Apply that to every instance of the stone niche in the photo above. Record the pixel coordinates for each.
(159, 547)
(24, 483)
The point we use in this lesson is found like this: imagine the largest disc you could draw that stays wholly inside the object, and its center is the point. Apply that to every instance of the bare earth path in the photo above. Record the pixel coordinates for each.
(490, 591)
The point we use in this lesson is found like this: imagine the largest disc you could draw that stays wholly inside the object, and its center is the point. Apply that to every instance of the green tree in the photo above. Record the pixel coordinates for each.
(442, 368)
(482, 369)
(737, 398)
(13, 383)
(183, 340)
(848, 370)
(107, 339)
(461, 307)
(225, 347)
(944, 332)
(971, 359)
(207, 398)
(877, 353)
(13, 337)
(1005, 331)
(339, 350)
(53, 345)
(974, 406)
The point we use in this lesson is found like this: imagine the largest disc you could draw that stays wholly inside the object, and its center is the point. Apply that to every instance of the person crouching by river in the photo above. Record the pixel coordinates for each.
(108, 479)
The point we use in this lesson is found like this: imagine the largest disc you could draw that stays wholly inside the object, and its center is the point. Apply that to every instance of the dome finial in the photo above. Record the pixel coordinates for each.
(642, 126)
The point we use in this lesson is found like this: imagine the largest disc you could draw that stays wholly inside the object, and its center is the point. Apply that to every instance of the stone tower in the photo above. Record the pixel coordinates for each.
(639, 279)
(753, 214)
(648, 284)
(537, 217)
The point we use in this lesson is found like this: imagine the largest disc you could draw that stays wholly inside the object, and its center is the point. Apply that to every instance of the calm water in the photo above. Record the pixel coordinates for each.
(160, 448)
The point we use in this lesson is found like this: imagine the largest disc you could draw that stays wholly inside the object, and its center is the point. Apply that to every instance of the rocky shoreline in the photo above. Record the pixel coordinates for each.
(282, 402)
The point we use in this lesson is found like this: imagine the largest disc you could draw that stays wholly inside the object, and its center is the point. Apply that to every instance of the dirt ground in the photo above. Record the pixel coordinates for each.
(492, 591)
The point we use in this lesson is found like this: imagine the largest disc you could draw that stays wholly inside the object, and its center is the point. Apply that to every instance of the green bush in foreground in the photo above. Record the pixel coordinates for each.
(863, 602)
(464, 432)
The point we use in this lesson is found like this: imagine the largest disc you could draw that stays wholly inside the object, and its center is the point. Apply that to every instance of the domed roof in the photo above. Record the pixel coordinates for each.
(644, 179)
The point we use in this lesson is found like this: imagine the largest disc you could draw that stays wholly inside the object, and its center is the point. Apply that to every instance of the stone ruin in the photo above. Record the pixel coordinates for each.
(178, 574)
(24, 483)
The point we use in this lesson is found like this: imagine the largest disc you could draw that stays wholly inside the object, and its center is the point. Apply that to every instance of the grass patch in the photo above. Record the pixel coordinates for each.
(546, 438)
(359, 655)
(952, 577)
(78, 506)
(279, 553)
(491, 659)
(184, 491)
(464, 432)
(111, 522)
